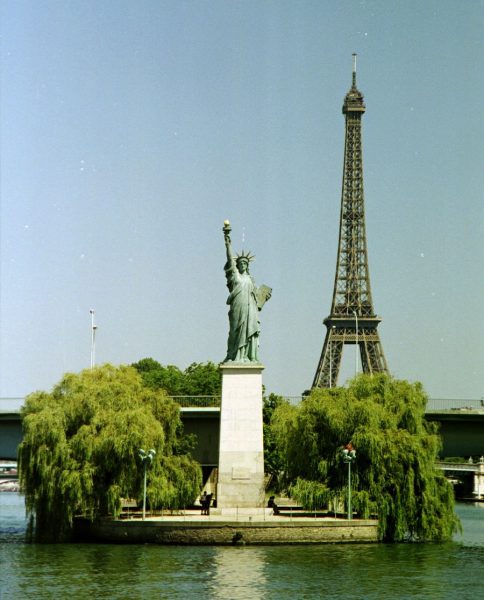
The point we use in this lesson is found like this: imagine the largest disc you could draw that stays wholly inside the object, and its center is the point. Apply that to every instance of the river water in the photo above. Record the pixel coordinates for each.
(454, 570)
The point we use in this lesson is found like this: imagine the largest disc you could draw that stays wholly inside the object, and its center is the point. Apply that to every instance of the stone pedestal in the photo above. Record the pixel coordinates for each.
(241, 450)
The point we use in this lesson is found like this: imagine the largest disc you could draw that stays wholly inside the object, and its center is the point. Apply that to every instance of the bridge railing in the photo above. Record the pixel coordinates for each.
(208, 401)
(460, 466)
(438, 404)
(197, 401)
(8, 405)
(434, 404)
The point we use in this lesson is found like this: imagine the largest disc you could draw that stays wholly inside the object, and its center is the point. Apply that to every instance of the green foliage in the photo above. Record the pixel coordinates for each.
(199, 379)
(393, 477)
(79, 453)
(311, 494)
(273, 462)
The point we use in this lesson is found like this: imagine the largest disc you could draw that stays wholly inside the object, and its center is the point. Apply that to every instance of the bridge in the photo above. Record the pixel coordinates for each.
(461, 427)
(200, 416)
(470, 485)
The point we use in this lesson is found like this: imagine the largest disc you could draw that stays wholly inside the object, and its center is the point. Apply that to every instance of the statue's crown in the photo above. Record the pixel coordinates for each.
(244, 256)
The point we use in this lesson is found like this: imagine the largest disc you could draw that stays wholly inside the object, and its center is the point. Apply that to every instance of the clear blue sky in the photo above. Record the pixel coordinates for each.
(131, 129)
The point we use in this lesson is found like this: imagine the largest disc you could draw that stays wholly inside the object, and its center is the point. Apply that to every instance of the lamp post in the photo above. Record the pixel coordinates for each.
(349, 455)
(93, 339)
(146, 458)
(356, 344)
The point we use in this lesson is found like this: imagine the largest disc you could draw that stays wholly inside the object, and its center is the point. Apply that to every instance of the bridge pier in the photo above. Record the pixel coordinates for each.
(479, 480)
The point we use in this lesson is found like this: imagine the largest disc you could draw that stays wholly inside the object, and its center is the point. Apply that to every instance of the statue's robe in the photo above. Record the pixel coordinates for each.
(243, 315)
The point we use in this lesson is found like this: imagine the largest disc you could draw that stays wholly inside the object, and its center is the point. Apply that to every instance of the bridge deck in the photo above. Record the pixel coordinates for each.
(461, 425)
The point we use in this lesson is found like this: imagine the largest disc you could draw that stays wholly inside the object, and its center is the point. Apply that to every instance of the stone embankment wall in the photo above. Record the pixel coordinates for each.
(228, 533)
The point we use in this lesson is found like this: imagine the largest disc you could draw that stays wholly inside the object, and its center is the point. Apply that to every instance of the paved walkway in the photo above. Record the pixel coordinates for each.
(247, 515)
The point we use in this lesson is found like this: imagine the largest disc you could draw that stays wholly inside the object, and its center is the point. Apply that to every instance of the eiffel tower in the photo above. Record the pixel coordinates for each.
(352, 319)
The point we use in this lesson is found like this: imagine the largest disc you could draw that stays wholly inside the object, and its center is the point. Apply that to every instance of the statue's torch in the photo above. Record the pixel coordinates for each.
(227, 229)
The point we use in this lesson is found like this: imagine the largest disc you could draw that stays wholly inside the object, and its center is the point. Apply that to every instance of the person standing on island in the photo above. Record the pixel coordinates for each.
(245, 301)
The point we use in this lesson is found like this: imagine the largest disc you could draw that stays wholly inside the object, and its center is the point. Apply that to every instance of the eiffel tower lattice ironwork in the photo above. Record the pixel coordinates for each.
(352, 319)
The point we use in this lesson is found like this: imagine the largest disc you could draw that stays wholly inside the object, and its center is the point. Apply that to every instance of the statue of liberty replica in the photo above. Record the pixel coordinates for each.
(241, 450)
(245, 301)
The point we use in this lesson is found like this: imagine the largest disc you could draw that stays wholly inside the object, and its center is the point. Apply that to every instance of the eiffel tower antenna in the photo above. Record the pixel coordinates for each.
(352, 320)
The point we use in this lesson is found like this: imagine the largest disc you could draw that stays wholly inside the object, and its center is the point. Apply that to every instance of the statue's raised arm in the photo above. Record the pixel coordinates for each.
(228, 244)
(245, 302)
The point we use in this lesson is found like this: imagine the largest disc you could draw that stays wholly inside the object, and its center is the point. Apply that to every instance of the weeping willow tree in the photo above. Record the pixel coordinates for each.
(393, 476)
(80, 450)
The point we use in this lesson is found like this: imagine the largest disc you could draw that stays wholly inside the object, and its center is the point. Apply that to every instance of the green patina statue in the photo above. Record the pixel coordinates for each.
(245, 301)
